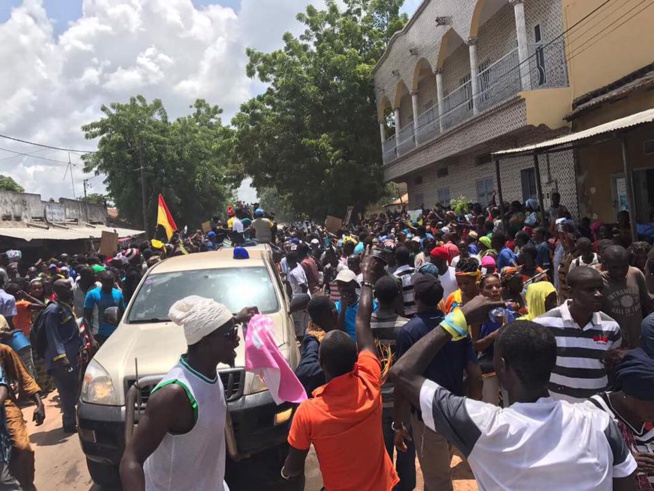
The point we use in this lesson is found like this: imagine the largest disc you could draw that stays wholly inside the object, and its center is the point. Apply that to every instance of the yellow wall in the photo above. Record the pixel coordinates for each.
(596, 165)
(597, 61)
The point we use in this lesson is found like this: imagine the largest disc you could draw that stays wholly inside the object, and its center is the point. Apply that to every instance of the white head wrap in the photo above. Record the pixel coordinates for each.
(199, 316)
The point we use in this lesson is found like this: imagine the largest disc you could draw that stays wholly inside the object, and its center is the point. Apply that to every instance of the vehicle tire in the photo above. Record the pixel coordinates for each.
(104, 475)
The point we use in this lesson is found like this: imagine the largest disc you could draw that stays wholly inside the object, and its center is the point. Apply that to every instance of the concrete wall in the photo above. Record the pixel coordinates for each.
(24, 207)
(76, 210)
(20, 206)
(557, 173)
(609, 45)
(422, 39)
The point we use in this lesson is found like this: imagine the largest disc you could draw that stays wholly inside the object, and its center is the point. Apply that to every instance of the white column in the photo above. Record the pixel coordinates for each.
(414, 108)
(523, 45)
(439, 94)
(474, 73)
(397, 126)
(382, 132)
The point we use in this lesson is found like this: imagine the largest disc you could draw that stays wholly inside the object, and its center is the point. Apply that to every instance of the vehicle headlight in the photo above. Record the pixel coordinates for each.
(257, 385)
(97, 386)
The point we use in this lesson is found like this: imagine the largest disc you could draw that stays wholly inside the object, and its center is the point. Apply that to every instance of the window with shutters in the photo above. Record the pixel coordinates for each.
(485, 188)
(528, 178)
(443, 195)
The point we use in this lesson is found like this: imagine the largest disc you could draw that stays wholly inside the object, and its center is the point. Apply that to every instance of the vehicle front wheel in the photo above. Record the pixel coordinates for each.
(104, 475)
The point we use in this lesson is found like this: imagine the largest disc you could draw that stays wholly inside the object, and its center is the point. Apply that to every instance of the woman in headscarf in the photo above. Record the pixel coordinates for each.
(483, 340)
(467, 277)
(485, 248)
(631, 406)
(541, 298)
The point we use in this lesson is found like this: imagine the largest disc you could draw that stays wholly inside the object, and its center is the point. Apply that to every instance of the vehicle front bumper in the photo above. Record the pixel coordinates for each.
(251, 427)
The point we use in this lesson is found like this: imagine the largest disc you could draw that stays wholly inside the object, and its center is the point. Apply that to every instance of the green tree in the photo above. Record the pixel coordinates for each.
(95, 199)
(8, 184)
(181, 159)
(314, 133)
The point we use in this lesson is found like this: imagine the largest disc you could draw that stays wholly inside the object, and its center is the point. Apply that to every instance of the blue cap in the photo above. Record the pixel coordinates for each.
(211, 234)
(241, 253)
(295, 240)
(258, 212)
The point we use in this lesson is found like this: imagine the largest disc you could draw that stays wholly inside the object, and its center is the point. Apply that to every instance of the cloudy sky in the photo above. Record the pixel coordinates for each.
(62, 59)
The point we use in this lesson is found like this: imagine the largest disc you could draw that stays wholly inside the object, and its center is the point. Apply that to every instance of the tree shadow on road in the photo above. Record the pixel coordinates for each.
(50, 437)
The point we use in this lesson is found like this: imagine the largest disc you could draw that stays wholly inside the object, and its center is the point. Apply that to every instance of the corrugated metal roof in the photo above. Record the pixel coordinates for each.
(618, 124)
(73, 233)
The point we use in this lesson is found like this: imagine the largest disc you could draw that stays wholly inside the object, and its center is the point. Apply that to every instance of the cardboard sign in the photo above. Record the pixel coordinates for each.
(108, 243)
(333, 224)
(206, 227)
(348, 215)
(414, 215)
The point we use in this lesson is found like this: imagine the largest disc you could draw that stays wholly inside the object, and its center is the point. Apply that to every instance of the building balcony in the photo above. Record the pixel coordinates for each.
(497, 83)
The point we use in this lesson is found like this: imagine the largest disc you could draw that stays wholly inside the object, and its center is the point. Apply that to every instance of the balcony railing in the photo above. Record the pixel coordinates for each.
(497, 83)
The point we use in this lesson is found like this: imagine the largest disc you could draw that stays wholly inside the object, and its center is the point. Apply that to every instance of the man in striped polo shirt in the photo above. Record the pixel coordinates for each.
(583, 335)
(404, 273)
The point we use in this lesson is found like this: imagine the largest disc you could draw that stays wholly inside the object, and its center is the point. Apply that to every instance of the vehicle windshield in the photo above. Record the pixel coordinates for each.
(234, 287)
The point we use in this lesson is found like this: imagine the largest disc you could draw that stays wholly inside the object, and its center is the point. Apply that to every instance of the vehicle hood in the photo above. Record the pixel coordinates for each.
(156, 348)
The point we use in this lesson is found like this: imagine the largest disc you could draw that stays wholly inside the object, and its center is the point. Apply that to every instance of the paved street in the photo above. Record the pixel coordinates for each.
(60, 463)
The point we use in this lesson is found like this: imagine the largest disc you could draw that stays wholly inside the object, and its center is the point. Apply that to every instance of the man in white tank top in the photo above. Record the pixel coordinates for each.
(180, 442)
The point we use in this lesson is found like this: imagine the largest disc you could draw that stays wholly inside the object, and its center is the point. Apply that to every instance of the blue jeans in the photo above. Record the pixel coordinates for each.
(68, 387)
(406, 461)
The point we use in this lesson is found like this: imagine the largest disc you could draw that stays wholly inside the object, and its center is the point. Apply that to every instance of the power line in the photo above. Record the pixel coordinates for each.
(30, 154)
(578, 50)
(543, 47)
(36, 157)
(46, 146)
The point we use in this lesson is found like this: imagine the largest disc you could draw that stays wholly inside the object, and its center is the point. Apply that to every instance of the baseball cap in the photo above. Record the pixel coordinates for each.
(211, 234)
(416, 239)
(346, 276)
(473, 234)
(315, 242)
(258, 212)
(440, 253)
(427, 286)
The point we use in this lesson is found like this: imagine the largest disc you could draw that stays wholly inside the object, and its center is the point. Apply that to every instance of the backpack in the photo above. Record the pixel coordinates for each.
(38, 338)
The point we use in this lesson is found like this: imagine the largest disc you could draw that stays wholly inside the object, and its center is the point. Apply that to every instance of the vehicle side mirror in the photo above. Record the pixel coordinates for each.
(299, 303)
(112, 316)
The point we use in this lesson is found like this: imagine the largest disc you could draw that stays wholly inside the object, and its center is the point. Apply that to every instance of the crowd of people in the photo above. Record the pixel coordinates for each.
(513, 333)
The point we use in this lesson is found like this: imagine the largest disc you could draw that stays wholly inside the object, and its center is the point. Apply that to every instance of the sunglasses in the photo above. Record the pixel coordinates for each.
(231, 332)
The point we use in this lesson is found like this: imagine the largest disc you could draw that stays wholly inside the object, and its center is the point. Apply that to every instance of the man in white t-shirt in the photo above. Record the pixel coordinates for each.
(537, 443)
(297, 280)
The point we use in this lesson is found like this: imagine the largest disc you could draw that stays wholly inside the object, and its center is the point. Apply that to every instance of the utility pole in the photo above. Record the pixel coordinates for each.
(86, 202)
(143, 199)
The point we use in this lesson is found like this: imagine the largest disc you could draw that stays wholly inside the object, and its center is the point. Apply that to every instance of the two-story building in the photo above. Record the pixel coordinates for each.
(465, 78)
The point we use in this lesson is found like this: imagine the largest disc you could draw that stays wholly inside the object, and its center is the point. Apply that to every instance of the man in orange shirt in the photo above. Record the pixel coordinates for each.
(343, 420)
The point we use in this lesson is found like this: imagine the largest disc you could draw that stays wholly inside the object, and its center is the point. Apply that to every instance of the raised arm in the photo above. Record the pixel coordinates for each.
(365, 338)
(407, 373)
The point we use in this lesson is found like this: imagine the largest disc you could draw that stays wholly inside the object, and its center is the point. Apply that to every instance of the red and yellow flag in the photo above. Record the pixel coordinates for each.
(165, 219)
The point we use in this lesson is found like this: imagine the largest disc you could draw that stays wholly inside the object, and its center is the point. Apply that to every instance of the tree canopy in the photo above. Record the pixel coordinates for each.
(95, 198)
(8, 184)
(185, 159)
(313, 136)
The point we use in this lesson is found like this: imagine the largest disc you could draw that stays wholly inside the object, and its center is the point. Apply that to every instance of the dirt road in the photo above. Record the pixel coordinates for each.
(60, 463)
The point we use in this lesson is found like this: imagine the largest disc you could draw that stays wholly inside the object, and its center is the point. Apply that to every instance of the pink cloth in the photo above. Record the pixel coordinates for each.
(262, 356)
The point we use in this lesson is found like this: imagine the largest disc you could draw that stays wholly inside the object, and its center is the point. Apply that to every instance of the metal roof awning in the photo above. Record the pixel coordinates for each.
(570, 140)
(73, 233)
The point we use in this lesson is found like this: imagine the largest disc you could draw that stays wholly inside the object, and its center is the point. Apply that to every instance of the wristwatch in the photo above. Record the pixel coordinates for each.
(367, 283)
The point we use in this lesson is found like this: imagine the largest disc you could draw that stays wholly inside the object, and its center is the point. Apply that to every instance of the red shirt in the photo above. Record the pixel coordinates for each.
(343, 421)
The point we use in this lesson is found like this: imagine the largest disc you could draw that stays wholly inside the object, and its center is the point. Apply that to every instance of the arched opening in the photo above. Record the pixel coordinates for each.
(385, 114)
(424, 82)
(484, 10)
(403, 104)
(457, 88)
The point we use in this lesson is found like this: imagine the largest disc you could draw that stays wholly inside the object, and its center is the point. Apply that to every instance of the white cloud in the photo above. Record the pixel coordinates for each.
(165, 49)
